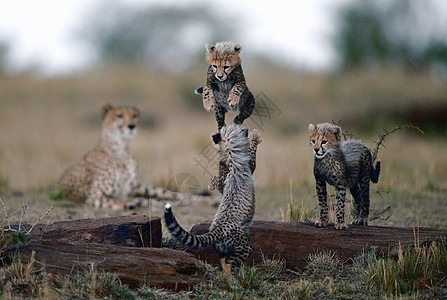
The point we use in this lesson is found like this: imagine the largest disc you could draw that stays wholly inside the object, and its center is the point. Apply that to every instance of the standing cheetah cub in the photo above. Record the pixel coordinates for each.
(106, 176)
(343, 165)
(225, 88)
(228, 233)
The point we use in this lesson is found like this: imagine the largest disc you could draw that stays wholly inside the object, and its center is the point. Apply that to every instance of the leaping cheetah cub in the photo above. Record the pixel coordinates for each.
(343, 165)
(228, 233)
(106, 176)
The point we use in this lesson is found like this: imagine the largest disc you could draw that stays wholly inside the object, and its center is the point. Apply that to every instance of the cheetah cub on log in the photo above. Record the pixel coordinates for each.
(225, 88)
(106, 176)
(228, 233)
(343, 165)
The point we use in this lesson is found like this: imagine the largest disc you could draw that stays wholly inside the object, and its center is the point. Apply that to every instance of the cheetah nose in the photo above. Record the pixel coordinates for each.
(220, 76)
(316, 150)
(131, 126)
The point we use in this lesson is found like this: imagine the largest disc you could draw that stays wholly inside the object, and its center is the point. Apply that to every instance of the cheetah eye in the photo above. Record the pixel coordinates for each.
(119, 115)
(226, 67)
(323, 142)
(214, 66)
(313, 141)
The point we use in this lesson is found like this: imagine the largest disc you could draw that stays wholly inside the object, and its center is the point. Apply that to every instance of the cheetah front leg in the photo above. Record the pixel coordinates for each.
(209, 102)
(340, 195)
(322, 201)
(217, 182)
(147, 191)
(235, 94)
(98, 199)
(255, 139)
(246, 107)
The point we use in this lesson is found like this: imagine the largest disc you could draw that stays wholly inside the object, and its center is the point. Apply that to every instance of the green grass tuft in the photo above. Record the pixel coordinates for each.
(416, 268)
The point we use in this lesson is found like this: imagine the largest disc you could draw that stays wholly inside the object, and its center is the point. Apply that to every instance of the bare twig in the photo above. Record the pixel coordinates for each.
(40, 219)
(24, 207)
(385, 133)
(6, 215)
(380, 213)
(346, 134)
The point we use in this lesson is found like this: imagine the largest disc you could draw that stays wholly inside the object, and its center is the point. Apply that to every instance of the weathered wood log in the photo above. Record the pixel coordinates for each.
(115, 244)
(294, 242)
(132, 231)
(159, 267)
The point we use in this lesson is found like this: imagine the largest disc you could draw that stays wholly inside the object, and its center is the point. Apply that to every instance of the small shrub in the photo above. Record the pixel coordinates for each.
(297, 212)
(56, 195)
(21, 278)
(300, 290)
(323, 265)
(249, 278)
(91, 284)
(272, 269)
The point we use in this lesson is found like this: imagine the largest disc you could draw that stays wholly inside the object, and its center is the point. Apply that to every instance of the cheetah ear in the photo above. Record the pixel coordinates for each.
(105, 109)
(237, 48)
(209, 48)
(216, 138)
(311, 128)
(337, 132)
(136, 111)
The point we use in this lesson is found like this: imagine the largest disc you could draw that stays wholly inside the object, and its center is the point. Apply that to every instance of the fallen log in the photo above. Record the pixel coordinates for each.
(161, 267)
(132, 231)
(120, 245)
(294, 242)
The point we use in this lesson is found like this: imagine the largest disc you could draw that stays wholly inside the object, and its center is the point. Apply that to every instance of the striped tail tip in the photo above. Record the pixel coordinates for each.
(199, 91)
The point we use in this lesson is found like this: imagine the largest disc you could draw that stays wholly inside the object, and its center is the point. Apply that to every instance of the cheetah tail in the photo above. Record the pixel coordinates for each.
(198, 91)
(375, 173)
(191, 241)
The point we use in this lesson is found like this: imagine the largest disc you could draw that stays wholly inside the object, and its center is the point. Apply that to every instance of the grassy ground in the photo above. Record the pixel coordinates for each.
(47, 124)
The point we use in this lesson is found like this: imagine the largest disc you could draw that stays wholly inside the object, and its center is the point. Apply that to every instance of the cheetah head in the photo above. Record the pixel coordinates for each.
(223, 58)
(120, 122)
(324, 138)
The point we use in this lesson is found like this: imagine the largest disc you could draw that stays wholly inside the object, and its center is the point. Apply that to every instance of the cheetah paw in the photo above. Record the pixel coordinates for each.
(213, 183)
(233, 101)
(360, 221)
(255, 136)
(341, 226)
(321, 223)
(209, 105)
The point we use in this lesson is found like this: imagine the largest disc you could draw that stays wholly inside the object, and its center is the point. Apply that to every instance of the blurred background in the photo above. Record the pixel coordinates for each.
(368, 66)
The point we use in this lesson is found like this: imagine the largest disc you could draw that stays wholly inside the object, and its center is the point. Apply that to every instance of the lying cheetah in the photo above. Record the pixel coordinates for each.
(228, 232)
(106, 177)
(343, 165)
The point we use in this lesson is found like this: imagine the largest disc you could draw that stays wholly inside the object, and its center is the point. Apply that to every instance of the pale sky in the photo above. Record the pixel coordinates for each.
(43, 32)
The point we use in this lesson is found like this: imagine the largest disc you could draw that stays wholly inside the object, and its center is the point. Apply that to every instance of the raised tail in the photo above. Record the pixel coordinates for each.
(375, 172)
(189, 240)
(198, 91)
